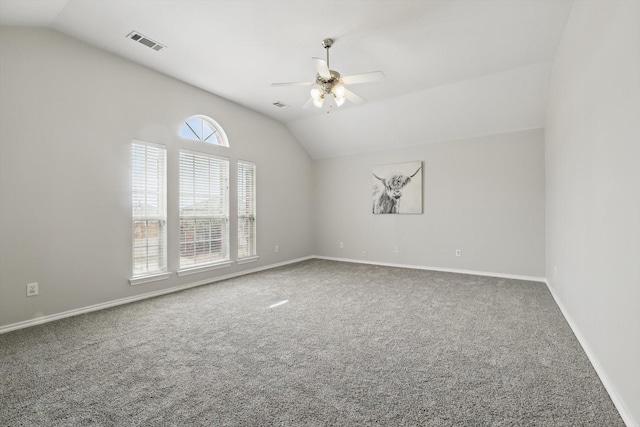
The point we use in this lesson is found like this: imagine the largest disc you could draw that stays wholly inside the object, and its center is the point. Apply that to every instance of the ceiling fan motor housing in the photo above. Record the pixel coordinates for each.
(328, 84)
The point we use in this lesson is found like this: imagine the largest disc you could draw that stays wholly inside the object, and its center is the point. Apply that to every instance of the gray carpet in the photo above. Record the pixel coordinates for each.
(354, 345)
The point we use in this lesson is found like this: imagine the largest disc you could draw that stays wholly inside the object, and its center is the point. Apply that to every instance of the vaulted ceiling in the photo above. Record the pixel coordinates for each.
(453, 68)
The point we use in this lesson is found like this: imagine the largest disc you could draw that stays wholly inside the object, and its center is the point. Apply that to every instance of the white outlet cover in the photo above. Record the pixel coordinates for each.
(32, 289)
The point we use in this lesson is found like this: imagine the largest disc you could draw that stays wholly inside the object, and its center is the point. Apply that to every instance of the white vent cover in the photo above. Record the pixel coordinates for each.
(136, 36)
(280, 104)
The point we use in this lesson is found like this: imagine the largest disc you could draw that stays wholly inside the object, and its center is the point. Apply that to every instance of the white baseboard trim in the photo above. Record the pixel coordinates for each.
(608, 385)
(446, 270)
(127, 300)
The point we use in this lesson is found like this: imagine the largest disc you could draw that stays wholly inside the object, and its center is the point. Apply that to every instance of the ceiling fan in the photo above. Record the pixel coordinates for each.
(329, 82)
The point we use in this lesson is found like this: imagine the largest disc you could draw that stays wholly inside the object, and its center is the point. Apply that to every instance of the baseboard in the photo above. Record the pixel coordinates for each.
(127, 300)
(604, 378)
(447, 270)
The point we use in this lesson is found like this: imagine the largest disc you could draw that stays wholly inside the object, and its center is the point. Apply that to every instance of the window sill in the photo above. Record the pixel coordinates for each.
(134, 281)
(248, 259)
(202, 269)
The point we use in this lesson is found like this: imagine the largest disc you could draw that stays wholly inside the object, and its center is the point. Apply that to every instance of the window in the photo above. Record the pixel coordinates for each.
(149, 208)
(246, 210)
(204, 209)
(205, 129)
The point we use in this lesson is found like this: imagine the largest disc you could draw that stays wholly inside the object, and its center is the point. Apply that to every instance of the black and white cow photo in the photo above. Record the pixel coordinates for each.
(397, 188)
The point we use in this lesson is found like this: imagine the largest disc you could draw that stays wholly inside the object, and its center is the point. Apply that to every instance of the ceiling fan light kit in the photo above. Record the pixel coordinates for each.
(329, 82)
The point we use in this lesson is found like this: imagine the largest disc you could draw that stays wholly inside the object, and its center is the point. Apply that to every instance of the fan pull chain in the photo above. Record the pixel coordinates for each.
(329, 108)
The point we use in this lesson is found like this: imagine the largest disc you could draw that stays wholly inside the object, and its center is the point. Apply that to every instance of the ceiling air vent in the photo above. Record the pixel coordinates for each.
(136, 36)
(280, 104)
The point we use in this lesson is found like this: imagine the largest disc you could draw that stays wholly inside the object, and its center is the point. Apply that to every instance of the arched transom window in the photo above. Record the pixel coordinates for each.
(205, 129)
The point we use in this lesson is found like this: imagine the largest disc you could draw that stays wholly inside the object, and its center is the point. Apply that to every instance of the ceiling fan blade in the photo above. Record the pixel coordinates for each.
(356, 99)
(373, 76)
(322, 67)
(308, 103)
(293, 84)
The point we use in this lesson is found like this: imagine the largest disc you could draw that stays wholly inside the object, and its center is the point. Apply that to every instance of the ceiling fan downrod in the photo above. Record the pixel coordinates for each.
(327, 43)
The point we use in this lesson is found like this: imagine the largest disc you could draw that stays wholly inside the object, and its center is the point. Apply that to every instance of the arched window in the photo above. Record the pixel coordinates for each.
(205, 129)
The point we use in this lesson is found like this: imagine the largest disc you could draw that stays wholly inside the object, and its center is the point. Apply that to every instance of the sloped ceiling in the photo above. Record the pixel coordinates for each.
(453, 69)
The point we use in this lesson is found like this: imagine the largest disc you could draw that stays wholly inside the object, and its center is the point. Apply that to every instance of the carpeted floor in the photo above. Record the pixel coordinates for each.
(353, 345)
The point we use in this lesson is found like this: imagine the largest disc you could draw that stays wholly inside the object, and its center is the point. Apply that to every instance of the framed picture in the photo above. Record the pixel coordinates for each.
(397, 188)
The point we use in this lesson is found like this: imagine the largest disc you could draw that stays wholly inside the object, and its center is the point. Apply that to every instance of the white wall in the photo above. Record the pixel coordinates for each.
(68, 113)
(593, 189)
(484, 196)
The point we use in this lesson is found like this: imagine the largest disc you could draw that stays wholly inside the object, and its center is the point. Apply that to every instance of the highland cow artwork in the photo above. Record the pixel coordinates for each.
(397, 188)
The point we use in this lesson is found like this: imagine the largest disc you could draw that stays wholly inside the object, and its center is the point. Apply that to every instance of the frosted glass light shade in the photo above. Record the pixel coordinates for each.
(316, 93)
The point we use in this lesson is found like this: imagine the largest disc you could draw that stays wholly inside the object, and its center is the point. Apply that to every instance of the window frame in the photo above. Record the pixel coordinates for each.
(193, 135)
(224, 197)
(142, 214)
(249, 213)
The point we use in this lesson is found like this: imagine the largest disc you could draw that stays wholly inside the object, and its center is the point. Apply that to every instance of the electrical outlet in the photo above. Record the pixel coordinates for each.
(555, 272)
(32, 289)
(458, 252)
(397, 249)
(364, 253)
(276, 248)
(341, 245)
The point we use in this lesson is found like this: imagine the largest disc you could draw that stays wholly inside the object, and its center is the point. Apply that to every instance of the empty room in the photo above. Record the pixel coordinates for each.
(320, 213)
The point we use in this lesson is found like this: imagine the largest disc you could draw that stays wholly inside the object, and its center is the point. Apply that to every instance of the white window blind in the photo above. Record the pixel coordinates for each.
(204, 209)
(149, 208)
(246, 209)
